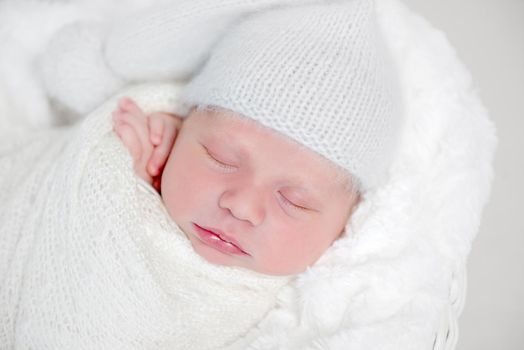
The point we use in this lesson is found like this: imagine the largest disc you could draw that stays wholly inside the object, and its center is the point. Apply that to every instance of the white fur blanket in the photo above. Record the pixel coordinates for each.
(391, 282)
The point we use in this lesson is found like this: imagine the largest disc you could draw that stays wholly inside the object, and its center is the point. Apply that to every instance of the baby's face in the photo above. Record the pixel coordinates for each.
(248, 197)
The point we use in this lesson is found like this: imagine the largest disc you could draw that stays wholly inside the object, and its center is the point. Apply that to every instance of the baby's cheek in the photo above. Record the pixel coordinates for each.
(291, 249)
(318, 237)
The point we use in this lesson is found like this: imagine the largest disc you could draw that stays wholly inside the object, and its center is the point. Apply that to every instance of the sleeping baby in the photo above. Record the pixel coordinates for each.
(243, 194)
(271, 159)
(181, 231)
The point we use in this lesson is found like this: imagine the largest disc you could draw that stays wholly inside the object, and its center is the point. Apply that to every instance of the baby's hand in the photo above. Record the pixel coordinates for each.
(149, 139)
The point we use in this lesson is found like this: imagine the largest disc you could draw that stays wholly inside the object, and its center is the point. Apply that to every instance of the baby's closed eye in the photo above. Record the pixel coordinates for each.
(219, 161)
(292, 202)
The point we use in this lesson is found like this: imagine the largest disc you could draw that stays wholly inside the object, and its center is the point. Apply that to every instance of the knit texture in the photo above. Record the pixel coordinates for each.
(172, 40)
(88, 61)
(90, 259)
(318, 74)
(316, 71)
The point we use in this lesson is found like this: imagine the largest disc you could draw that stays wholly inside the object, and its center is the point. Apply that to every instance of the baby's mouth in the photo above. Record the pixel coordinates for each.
(218, 240)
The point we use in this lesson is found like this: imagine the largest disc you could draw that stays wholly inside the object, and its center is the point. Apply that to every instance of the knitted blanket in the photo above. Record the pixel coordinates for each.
(90, 259)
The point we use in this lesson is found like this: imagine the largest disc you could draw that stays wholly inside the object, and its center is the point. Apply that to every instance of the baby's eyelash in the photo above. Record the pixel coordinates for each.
(217, 162)
(291, 204)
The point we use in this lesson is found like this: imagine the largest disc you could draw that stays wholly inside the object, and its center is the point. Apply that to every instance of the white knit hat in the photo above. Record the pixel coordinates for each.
(316, 73)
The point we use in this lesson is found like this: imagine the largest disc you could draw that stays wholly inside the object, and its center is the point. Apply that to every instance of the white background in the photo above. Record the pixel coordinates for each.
(489, 38)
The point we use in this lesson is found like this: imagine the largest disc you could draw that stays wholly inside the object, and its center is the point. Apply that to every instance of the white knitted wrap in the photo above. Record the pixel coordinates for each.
(91, 260)
(319, 74)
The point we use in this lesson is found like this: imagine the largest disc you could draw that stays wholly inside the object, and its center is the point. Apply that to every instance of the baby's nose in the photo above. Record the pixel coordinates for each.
(244, 203)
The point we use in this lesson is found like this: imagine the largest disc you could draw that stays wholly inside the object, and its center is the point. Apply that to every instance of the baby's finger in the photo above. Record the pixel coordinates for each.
(156, 128)
(139, 124)
(117, 117)
(130, 139)
(126, 104)
(161, 152)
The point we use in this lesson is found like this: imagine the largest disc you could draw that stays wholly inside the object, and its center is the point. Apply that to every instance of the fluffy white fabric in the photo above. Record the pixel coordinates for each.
(91, 260)
(26, 28)
(394, 280)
